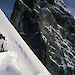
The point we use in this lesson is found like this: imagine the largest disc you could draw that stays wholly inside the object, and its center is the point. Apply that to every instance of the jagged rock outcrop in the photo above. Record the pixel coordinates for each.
(49, 30)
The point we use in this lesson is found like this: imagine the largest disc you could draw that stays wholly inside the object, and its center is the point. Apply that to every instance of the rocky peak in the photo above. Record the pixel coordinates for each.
(49, 30)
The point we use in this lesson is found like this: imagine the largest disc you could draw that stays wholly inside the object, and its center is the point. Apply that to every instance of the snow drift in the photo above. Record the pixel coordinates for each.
(19, 59)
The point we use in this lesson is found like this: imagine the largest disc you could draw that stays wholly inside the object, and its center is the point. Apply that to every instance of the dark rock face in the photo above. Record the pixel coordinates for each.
(29, 3)
(49, 30)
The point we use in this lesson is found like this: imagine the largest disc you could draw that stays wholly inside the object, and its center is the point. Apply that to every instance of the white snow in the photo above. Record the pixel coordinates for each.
(49, 28)
(39, 7)
(52, 47)
(19, 59)
(44, 38)
(36, 11)
(53, 60)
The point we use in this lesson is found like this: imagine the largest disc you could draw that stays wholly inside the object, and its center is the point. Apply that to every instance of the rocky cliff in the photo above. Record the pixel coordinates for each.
(49, 30)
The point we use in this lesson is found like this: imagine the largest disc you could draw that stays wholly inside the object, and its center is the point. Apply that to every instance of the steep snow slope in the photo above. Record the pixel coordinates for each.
(19, 59)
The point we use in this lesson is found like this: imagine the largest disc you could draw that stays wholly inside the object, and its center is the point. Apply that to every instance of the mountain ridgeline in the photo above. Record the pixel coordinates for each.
(49, 30)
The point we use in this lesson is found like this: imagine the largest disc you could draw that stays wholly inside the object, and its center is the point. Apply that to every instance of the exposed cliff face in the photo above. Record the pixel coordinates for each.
(49, 31)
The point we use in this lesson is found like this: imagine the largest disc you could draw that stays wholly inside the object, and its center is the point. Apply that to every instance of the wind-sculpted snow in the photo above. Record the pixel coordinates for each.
(19, 59)
(8, 65)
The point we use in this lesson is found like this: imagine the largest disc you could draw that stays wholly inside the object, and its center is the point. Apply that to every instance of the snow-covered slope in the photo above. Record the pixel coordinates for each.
(19, 59)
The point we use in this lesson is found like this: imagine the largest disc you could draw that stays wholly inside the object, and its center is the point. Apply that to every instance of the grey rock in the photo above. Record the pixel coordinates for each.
(49, 31)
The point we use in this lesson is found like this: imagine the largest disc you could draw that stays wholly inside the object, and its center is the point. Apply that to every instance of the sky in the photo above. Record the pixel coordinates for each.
(70, 5)
(7, 6)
